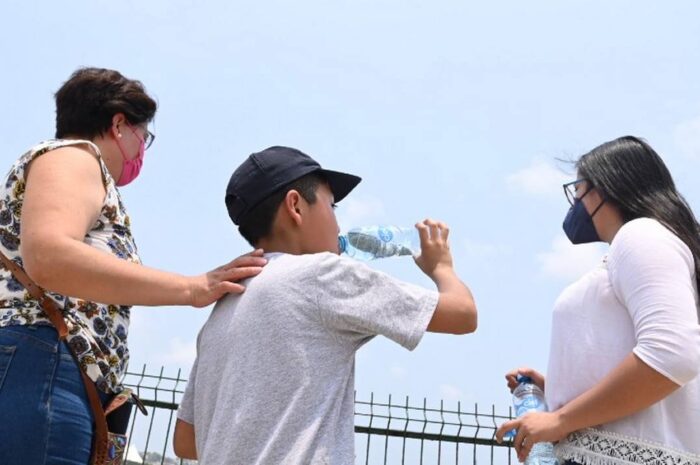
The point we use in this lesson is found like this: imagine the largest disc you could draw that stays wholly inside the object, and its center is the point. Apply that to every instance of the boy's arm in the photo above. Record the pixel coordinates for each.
(184, 440)
(456, 311)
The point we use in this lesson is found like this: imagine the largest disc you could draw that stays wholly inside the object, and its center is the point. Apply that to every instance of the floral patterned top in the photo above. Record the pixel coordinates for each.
(97, 332)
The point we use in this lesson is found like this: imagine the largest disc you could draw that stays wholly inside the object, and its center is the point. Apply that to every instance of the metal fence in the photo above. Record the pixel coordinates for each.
(387, 431)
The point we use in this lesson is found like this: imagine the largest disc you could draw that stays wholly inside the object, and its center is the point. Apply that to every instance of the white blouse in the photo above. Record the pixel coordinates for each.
(643, 299)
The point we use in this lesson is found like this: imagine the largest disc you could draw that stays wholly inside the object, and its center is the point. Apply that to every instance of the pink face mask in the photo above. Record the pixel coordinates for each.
(131, 166)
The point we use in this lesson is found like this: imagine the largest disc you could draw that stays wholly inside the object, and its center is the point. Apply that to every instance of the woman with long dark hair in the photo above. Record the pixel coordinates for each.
(622, 383)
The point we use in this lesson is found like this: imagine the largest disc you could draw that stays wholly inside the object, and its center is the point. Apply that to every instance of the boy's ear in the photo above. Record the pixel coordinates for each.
(292, 206)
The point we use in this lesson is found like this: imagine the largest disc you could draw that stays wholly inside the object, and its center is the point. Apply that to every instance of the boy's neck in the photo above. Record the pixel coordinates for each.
(279, 246)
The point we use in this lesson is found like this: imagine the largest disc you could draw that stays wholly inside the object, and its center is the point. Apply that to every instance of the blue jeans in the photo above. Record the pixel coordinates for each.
(45, 415)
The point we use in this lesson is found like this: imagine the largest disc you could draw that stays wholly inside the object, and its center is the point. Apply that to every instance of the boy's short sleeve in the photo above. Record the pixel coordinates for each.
(357, 302)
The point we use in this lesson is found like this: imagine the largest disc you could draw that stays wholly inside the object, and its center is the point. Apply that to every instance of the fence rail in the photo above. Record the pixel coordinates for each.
(386, 431)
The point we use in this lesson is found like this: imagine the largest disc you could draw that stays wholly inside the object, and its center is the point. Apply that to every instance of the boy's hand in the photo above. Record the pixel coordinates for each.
(435, 257)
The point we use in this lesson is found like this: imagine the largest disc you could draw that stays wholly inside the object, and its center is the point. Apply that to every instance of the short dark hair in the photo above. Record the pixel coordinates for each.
(89, 99)
(258, 223)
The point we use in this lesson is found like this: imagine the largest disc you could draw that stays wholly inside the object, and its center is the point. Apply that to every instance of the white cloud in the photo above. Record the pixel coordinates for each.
(540, 178)
(359, 211)
(568, 262)
(450, 392)
(687, 138)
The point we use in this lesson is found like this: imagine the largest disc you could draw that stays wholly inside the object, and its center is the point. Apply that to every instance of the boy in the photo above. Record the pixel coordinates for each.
(273, 381)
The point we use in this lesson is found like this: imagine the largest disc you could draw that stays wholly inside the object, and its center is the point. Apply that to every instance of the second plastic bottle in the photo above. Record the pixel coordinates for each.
(528, 397)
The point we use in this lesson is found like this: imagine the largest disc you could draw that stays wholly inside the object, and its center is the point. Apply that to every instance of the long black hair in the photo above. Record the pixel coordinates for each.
(632, 176)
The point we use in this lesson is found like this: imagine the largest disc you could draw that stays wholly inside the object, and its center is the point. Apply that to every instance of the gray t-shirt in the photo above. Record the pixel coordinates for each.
(273, 381)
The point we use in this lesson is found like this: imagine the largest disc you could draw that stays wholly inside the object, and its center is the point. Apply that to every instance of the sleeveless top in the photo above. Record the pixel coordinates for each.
(97, 331)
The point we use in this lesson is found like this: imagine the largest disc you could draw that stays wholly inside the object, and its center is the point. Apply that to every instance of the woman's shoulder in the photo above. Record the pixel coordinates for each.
(649, 238)
(65, 146)
(643, 229)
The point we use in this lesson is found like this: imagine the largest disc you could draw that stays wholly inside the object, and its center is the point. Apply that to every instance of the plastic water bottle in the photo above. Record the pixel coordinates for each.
(528, 397)
(372, 242)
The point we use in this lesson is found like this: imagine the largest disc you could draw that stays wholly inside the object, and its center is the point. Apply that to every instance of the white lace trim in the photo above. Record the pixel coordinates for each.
(597, 447)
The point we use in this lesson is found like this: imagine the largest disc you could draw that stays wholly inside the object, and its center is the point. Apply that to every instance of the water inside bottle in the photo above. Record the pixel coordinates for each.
(376, 246)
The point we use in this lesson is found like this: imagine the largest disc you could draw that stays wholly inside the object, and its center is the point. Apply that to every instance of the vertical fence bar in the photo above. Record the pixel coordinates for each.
(476, 433)
(388, 428)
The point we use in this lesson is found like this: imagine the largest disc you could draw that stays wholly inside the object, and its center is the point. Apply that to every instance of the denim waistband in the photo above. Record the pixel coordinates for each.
(41, 336)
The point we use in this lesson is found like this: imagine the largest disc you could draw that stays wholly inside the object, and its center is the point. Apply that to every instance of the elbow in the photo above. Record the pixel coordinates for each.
(184, 452)
(470, 320)
(465, 321)
(454, 316)
(184, 444)
(39, 264)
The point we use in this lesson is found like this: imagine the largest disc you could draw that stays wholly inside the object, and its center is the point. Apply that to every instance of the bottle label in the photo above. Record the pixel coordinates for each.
(528, 404)
(385, 234)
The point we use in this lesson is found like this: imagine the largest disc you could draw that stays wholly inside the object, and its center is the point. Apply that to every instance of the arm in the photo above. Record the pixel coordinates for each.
(629, 388)
(632, 386)
(62, 200)
(184, 440)
(456, 311)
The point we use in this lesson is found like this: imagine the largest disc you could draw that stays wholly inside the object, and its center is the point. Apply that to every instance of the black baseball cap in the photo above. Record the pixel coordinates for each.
(264, 173)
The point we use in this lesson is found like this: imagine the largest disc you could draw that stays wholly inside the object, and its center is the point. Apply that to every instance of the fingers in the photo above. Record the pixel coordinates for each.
(512, 382)
(228, 287)
(246, 261)
(512, 378)
(512, 375)
(423, 233)
(254, 258)
(522, 443)
(436, 230)
(444, 230)
(240, 273)
(504, 428)
(536, 376)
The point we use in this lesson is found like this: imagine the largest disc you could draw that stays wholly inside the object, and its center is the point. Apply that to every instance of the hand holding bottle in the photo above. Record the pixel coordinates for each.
(435, 257)
(535, 429)
(536, 377)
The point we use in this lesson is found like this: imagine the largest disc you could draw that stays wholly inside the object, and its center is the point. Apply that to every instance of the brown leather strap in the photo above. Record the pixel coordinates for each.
(49, 306)
(100, 440)
(100, 444)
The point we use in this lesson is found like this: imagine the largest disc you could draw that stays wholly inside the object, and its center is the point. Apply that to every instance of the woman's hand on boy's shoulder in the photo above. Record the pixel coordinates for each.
(209, 287)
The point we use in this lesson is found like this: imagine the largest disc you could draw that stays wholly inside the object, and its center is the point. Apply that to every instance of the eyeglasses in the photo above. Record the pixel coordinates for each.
(570, 190)
(147, 138)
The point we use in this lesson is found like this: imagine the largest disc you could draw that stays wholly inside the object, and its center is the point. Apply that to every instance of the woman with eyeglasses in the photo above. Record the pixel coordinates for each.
(63, 222)
(622, 383)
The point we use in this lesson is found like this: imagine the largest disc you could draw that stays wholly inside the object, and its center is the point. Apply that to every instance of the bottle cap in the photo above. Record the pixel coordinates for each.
(342, 244)
(523, 379)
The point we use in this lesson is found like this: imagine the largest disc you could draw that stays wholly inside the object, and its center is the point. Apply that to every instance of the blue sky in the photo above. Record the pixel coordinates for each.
(451, 110)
